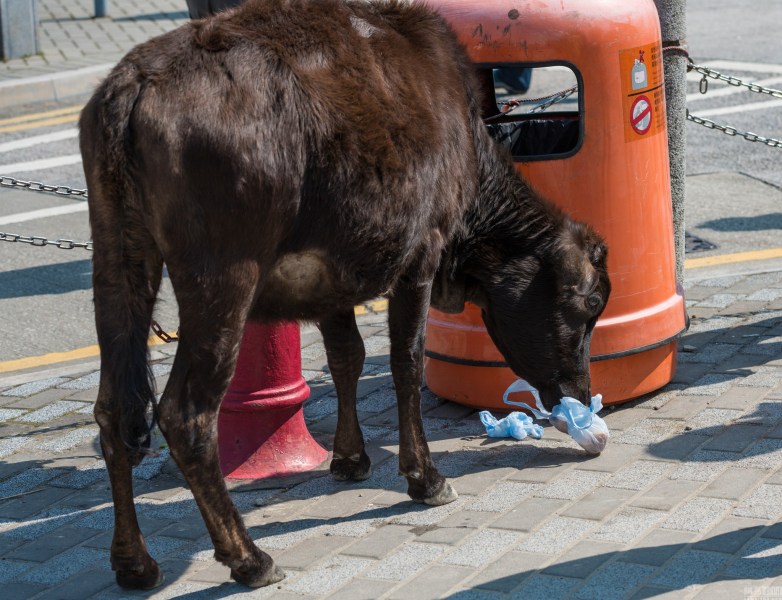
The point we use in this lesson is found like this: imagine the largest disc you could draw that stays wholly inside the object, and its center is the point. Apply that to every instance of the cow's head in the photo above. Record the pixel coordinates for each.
(540, 308)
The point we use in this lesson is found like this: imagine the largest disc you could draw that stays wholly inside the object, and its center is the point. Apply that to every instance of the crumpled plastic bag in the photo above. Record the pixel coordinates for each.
(569, 416)
(516, 424)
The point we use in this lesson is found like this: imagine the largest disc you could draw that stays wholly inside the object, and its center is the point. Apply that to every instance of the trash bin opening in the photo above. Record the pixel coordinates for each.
(534, 110)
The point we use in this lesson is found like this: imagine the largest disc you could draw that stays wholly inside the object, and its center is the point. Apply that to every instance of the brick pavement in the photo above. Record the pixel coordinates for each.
(683, 503)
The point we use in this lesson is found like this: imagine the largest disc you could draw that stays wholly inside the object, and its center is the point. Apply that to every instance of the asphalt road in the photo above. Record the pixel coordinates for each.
(45, 296)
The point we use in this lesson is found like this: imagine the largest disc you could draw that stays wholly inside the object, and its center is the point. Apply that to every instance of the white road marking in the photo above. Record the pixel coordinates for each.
(43, 213)
(752, 67)
(39, 165)
(46, 138)
(726, 110)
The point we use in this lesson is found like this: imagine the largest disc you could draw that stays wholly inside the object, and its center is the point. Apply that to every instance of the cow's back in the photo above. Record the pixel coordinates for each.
(308, 126)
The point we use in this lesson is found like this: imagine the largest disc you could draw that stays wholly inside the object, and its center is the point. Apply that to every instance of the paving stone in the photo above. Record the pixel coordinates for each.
(704, 465)
(556, 534)
(691, 567)
(34, 387)
(69, 440)
(481, 548)
(764, 454)
(442, 535)
(764, 503)
(614, 458)
(51, 412)
(10, 445)
(735, 438)
(657, 547)
(380, 542)
(363, 589)
(7, 414)
(666, 494)
(627, 525)
(38, 401)
(479, 481)
(712, 384)
(615, 581)
(528, 514)
(468, 519)
(433, 583)
(21, 591)
(63, 566)
(311, 551)
(682, 407)
(734, 483)
(404, 563)
(730, 534)
(649, 431)
(599, 504)
(726, 589)
(712, 353)
(638, 475)
(82, 585)
(624, 417)
(502, 496)
(572, 485)
(545, 586)
(508, 571)
(583, 559)
(45, 547)
(697, 514)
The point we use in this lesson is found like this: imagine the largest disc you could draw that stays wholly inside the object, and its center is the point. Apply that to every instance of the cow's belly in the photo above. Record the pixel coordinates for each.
(304, 285)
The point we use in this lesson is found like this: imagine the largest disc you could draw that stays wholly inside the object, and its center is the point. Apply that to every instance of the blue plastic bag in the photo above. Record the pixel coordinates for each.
(516, 424)
(569, 416)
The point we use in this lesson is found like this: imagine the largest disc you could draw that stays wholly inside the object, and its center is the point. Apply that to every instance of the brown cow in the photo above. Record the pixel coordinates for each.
(289, 159)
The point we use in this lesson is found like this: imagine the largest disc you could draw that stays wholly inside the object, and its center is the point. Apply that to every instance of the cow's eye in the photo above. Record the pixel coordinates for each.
(594, 301)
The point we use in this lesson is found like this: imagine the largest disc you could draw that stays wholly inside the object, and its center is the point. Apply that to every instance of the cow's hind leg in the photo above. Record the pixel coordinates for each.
(407, 321)
(345, 353)
(125, 283)
(212, 319)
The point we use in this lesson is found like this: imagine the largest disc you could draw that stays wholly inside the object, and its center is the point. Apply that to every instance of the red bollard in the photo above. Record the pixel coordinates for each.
(261, 429)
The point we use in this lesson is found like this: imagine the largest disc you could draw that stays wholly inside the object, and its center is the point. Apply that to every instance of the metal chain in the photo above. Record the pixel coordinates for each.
(734, 81)
(37, 186)
(162, 334)
(732, 131)
(35, 240)
(514, 103)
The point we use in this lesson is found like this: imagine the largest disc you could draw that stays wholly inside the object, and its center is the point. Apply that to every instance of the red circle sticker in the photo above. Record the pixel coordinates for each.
(641, 115)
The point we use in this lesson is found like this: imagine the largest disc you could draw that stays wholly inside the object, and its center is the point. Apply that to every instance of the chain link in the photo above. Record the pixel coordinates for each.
(732, 131)
(37, 186)
(730, 80)
(40, 242)
(510, 105)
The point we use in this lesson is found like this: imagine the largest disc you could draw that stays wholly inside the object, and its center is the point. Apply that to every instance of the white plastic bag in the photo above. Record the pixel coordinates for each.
(516, 424)
(569, 416)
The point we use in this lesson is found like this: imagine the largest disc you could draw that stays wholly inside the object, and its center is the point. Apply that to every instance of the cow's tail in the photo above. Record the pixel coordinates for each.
(127, 264)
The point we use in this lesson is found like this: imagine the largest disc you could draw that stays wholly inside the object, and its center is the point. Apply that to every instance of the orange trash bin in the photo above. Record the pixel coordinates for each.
(614, 177)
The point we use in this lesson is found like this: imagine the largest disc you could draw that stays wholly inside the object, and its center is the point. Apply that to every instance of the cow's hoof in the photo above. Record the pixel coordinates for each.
(345, 469)
(143, 578)
(248, 577)
(445, 496)
(419, 493)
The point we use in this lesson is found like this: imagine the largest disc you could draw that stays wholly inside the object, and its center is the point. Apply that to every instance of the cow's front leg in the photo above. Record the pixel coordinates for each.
(407, 321)
(345, 354)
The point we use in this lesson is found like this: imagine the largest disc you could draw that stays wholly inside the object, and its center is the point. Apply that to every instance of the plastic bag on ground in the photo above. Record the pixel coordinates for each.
(569, 416)
(516, 424)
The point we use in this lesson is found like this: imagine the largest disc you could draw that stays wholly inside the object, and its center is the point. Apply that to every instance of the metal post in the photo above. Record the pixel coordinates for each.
(673, 21)
(18, 29)
(100, 8)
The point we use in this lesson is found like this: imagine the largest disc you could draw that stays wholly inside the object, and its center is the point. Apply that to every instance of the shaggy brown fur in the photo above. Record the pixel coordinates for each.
(287, 160)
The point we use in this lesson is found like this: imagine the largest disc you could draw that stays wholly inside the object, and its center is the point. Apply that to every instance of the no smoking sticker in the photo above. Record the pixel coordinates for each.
(643, 96)
(641, 115)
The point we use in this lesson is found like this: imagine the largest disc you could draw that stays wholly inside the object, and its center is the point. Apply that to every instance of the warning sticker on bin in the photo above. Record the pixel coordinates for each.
(643, 95)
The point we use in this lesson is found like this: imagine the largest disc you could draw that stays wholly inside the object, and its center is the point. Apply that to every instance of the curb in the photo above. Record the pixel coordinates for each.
(53, 86)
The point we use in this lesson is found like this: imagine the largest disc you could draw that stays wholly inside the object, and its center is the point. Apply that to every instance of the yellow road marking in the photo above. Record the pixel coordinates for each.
(41, 115)
(43, 123)
(727, 259)
(376, 306)
(59, 357)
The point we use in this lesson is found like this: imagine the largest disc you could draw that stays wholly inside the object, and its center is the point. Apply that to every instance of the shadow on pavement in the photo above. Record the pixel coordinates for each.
(752, 563)
(59, 278)
(755, 223)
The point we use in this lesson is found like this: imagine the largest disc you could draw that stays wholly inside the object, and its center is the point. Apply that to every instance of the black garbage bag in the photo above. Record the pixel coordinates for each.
(537, 137)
